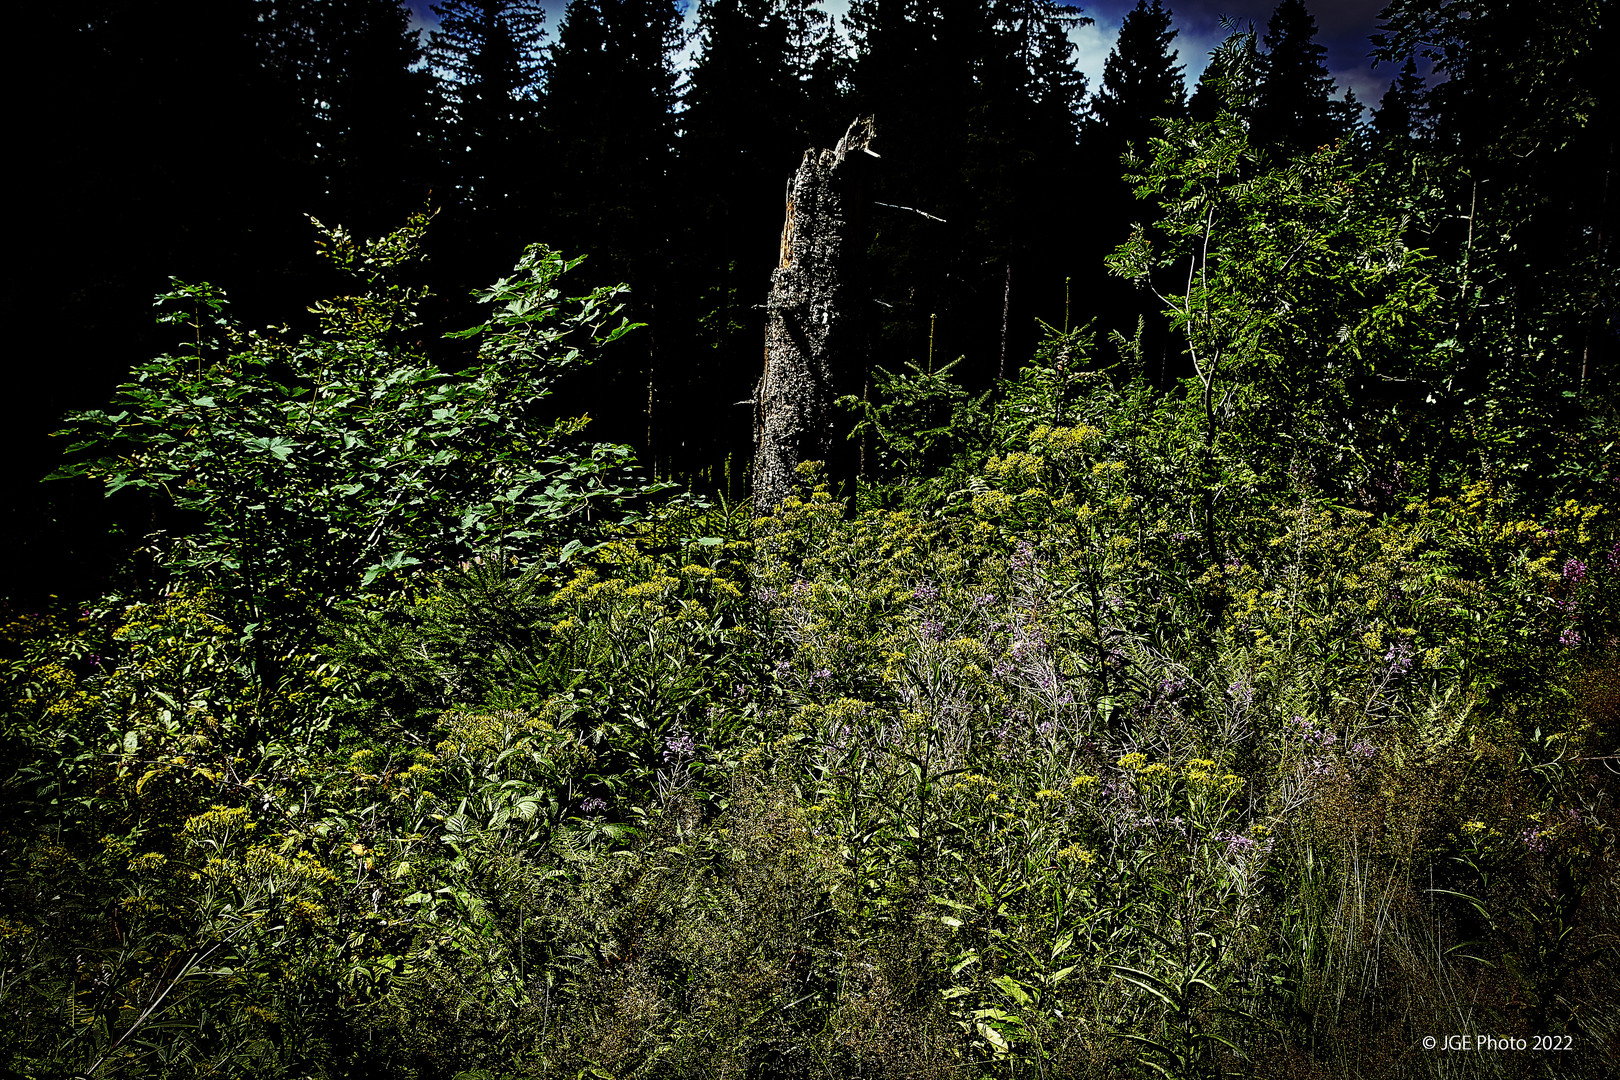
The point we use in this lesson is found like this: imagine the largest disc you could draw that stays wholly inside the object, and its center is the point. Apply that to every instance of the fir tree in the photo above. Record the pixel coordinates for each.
(1519, 155)
(1231, 79)
(1141, 83)
(976, 108)
(610, 124)
(1402, 115)
(371, 115)
(609, 113)
(1293, 111)
(488, 53)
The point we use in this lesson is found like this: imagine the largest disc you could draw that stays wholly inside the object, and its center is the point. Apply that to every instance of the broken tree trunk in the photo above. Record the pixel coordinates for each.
(814, 333)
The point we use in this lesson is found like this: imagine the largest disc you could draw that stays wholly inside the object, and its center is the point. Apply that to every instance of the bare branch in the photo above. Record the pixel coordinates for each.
(912, 209)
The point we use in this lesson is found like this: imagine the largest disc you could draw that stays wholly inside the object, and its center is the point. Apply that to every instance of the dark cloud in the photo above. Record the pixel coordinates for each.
(1343, 27)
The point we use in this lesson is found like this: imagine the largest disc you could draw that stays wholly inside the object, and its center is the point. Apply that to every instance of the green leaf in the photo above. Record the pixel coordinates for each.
(1012, 988)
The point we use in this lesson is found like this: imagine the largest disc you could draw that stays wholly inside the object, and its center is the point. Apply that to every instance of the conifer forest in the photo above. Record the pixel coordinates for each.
(805, 539)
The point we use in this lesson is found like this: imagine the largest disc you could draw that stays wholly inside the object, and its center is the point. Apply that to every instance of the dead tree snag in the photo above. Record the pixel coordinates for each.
(814, 333)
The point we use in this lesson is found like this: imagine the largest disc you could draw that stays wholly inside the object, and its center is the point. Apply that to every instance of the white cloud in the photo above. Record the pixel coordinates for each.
(1369, 85)
(1092, 45)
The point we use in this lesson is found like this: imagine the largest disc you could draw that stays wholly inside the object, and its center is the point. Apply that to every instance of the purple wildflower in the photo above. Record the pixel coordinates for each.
(933, 629)
(926, 590)
(1570, 638)
(1574, 571)
(1399, 658)
(593, 805)
(1534, 839)
(679, 749)
(1363, 749)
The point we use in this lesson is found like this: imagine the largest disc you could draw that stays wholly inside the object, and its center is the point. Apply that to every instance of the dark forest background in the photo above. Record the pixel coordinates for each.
(192, 138)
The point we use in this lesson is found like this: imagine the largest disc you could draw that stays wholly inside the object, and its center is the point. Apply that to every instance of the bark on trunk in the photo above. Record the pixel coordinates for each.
(813, 329)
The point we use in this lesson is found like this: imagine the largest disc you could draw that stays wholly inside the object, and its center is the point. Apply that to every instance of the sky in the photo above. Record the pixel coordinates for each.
(1343, 27)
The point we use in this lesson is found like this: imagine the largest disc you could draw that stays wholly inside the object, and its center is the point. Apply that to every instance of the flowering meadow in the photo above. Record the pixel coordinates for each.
(1027, 781)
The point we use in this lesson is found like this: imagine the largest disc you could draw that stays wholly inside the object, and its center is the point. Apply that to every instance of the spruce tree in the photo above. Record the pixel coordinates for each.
(610, 126)
(1519, 197)
(744, 121)
(976, 107)
(1402, 114)
(371, 115)
(488, 54)
(1231, 78)
(610, 116)
(1141, 83)
(1293, 111)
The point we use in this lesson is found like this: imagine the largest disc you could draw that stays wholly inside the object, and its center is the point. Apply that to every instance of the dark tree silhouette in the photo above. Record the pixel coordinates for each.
(1402, 114)
(1231, 78)
(976, 107)
(1141, 83)
(610, 124)
(1521, 161)
(1293, 111)
(489, 56)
